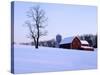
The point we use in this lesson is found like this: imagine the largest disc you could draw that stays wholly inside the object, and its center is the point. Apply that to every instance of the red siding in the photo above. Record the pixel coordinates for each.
(75, 43)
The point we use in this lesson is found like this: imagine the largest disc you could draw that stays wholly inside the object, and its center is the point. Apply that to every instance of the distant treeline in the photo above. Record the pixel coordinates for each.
(49, 43)
(92, 40)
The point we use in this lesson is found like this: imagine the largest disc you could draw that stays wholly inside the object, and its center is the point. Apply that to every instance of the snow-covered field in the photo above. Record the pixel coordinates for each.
(27, 59)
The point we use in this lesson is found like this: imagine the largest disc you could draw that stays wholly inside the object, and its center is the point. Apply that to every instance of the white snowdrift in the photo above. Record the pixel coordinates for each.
(27, 59)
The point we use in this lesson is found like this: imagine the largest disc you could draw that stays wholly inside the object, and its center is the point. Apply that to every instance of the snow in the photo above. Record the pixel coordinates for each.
(84, 42)
(27, 59)
(86, 47)
(67, 40)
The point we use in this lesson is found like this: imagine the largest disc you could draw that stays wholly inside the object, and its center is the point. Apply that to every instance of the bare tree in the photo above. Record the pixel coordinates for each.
(36, 24)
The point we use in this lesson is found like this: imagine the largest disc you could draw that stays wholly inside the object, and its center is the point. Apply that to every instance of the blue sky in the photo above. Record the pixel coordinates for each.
(67, 20)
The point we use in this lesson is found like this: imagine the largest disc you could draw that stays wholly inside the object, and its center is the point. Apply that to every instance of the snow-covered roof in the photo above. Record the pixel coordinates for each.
(67, 40)
(84, 42)
(70, 39)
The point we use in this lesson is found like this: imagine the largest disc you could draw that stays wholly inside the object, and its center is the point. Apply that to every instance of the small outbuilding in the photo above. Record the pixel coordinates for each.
(75, 43)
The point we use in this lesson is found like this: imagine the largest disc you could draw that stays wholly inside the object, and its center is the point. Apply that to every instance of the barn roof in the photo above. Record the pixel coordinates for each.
(70, 39)
(67, 40)
(84, 42)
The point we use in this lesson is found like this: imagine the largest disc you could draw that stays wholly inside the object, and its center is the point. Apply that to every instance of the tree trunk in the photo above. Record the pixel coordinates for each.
(37, 43)
(36, 46)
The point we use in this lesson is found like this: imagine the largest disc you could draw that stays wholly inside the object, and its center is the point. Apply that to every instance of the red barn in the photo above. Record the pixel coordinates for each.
(75, 43)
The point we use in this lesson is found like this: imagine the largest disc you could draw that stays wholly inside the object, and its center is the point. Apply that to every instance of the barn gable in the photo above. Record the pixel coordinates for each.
(75, 44)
